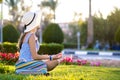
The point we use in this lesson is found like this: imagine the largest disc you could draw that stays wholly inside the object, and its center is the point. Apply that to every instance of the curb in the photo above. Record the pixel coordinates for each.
(99, 53)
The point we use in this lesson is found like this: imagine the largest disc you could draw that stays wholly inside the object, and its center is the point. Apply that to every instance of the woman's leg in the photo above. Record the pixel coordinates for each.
(51, 64)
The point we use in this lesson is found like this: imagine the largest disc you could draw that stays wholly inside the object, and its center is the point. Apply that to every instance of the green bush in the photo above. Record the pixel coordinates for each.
(90, 46)
(53, 34)
(70, 45)
(117, 35)
(1, 48)
(8, 47)
(6, 69)
(51, 48)
(10, 34)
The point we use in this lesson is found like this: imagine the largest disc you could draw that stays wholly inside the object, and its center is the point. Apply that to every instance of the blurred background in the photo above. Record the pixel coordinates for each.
(85, 24)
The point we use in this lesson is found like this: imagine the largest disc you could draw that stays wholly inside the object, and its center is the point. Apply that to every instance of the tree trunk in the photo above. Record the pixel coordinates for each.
(90, 27)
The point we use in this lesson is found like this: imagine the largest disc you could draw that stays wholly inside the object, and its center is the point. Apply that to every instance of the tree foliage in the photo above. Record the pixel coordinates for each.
(117, 35)
(51, 4)
(13, 8)
(71, 33)
(113, 22)
(10, 34)
(53, 34)
(1, 1)
(16, 9)
(100, 28)
(83, 31)
(105, 30)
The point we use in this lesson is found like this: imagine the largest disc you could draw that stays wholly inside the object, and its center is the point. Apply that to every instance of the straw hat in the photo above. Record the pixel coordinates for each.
(31, 20)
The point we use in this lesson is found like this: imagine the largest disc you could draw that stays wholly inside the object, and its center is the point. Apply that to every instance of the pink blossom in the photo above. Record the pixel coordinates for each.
(95, 63)
(68, 59)
(83, 62)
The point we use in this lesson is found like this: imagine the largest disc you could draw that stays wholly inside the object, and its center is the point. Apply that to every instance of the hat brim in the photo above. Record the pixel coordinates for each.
(35, 23)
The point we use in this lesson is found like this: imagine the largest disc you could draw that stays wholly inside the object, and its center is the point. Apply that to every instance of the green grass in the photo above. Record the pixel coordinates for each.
(69, 72)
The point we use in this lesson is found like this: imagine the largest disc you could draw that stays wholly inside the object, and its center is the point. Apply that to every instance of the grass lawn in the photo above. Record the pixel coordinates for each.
(69, 72)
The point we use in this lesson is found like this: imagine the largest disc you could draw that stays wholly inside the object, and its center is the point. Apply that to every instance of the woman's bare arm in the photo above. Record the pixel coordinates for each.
(35, 55)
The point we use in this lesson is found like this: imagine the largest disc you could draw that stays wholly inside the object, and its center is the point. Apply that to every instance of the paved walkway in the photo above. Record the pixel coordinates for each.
(113, 55)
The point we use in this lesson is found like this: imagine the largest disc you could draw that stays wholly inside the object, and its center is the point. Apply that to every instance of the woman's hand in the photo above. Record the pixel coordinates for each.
(57, 56)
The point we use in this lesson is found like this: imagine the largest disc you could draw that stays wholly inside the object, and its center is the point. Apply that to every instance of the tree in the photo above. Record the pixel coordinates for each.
(1, 18)
(53, 34)
(90, 27)
(13, 8)
(16, 13)
(71, 34)
(52, 4)
(1, 1)
(24, 7)
(117, 35)
(100, 27)
(113, 22)
(83, 32)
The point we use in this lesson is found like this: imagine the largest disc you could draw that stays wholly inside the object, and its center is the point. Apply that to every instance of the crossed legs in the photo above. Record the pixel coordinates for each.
(51, 64)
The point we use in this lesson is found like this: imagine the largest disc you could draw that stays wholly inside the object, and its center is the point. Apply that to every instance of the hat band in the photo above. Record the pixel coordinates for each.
(29, 22)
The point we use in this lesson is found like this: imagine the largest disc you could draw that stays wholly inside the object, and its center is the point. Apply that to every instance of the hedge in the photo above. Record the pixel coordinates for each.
(8, 47)
(51, 48)
(70, 45)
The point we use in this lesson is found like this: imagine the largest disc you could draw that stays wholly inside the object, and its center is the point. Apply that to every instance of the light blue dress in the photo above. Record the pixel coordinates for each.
(25, 53)
(26, 64)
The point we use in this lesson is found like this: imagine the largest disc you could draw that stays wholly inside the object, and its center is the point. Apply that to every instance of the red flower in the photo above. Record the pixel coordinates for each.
(4, 55)
(16, 55)
(9, 58)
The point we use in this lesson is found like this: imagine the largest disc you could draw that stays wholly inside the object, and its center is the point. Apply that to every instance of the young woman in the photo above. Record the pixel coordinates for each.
(29, 61)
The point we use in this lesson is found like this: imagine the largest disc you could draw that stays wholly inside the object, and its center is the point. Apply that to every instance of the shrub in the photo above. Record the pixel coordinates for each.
(10, 34)
(6, 69)
(70, 45)
(117, 35)
(90, 46)
(8, 47)
(51, 48)
(1, 48)
(53, 34)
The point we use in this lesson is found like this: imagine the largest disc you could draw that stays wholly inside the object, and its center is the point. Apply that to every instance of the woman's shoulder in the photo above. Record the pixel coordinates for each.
(32, 36)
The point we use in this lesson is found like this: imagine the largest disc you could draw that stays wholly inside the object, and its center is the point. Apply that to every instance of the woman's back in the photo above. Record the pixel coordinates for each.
(25, 53)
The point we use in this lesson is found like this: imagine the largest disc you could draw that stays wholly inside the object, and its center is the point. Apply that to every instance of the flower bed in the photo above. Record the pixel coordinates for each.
(71, 61)
(9, 58)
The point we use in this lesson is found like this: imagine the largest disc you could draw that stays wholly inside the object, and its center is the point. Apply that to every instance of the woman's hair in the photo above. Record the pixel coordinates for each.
(21, 40)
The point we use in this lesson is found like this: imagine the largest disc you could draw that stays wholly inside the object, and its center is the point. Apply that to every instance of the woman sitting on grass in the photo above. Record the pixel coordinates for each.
(30, 62)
